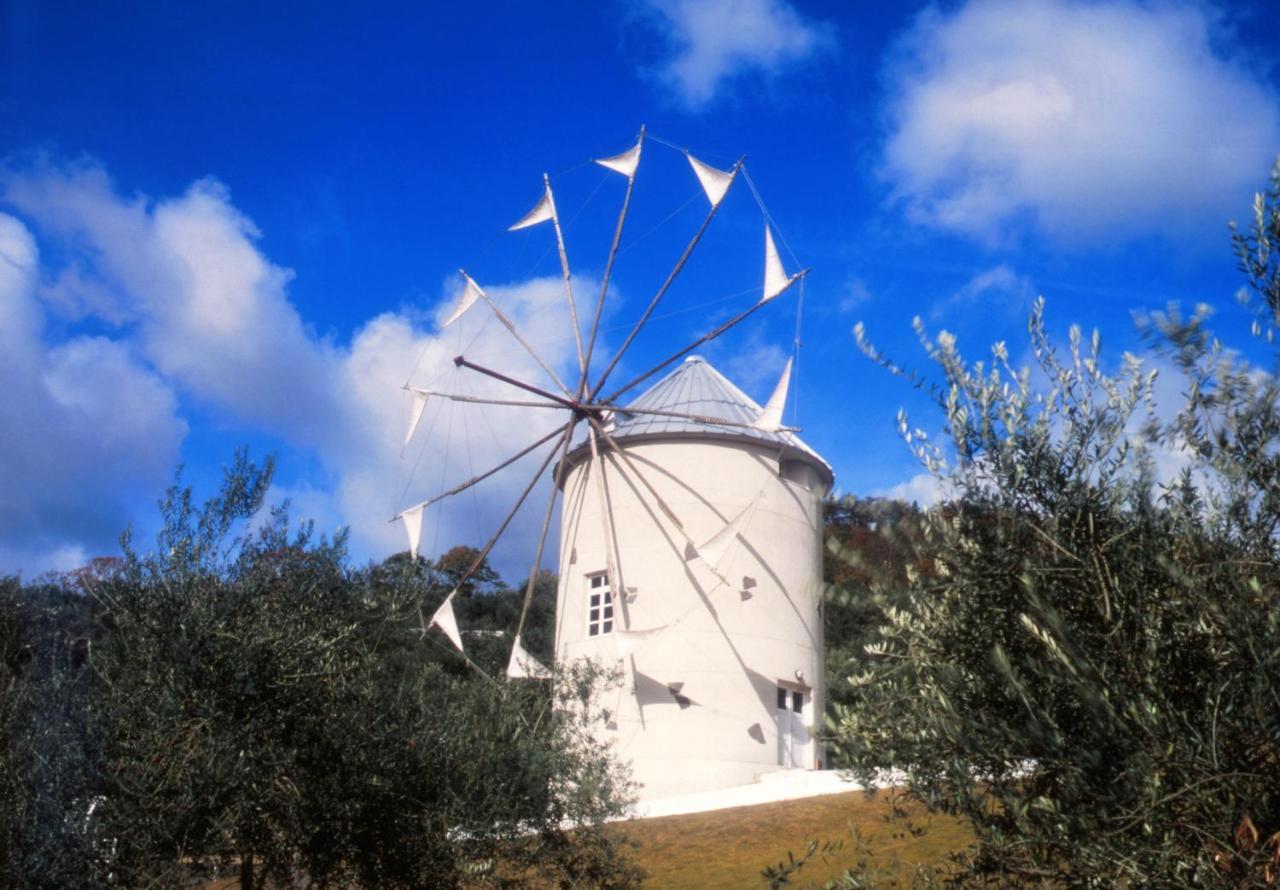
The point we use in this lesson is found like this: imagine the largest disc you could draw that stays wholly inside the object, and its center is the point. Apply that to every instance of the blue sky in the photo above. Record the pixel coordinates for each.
(226, 224)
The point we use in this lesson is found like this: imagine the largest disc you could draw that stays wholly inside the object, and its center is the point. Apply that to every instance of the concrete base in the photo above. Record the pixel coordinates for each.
(774, 786)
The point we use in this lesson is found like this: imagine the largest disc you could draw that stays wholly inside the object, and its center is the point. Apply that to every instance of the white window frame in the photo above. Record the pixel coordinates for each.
(600, 605)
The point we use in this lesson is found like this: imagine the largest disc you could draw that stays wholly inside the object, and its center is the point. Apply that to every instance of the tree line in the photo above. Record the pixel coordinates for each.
(241, 701)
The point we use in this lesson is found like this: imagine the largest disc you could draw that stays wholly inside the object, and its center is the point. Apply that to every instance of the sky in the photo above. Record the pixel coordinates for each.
(236, 224)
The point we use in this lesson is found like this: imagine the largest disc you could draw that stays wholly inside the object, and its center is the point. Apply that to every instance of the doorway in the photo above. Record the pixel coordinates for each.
(793, 734)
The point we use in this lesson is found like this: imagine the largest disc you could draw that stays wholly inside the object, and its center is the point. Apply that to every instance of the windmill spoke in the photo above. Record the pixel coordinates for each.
(653, 304)
(705, 338)
(662, 505)
(478, 400)
(463, 486)
(626, 459)
(546, 525)
(608, 270)
(568, 282)
(612, 561)
(511, 514)
(511, 328)
(462, 362)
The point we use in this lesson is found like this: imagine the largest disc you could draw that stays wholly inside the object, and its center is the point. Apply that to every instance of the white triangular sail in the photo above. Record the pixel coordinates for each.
(713, 552)
(416, 408)
(776, 279)
(544, 210)
(770, 418)
(447, 621)
(624, 163)
(523, 666)
(470, 293)
(714, 182)
(412, 519)
(628, 642)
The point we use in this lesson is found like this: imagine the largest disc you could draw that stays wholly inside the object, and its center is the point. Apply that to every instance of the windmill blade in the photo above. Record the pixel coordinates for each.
(546, 526)
(770, 419)
(416, 407)
(481, 400)
(626, 162)
(470, 293)
(608, 269)
(444, 619)
(666, 285)
(776, 279)
(412, 519)
(473, 292)
(544, 210)
(714, 182)
(475, 480)
(523, 666)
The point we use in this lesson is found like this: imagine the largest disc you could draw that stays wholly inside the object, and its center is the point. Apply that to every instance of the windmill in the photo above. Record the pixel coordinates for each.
(690, 540)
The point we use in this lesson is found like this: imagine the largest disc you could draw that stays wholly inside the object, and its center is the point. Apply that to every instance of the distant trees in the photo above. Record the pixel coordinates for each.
(246, 701)
(1090, 670)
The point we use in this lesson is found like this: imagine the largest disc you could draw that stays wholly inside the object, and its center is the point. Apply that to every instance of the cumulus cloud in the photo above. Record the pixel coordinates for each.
(1090, 119)
(194, 309)
(711, 42)
(85, 421)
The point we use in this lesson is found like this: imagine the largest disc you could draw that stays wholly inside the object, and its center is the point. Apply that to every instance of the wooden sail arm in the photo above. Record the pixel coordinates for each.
(480, 400)
(653, 304)
(462, 362)
(705, 338)
(474, 480)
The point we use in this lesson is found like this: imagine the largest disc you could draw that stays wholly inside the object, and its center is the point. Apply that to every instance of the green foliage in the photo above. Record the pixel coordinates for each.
(250, 703)
(1090, 671)
(873, 547)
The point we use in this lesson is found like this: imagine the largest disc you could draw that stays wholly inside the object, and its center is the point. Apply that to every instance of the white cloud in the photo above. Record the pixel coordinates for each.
(1093, 119)
(85, 423)
(197, 309)
(711, 42)
(922, 489)
(998, 288)
(856, 294)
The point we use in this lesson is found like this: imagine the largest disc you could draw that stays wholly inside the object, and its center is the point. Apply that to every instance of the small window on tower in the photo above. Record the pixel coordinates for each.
(599, 605)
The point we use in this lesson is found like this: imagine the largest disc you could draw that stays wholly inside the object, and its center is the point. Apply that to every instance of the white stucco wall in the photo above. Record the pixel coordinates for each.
(730, 645)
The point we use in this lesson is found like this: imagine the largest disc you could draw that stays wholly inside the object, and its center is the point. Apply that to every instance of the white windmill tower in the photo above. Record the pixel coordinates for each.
(690, 545)
(699, 564)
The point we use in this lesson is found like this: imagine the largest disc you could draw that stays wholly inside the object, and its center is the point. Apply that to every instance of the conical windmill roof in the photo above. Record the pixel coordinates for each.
(696, 388)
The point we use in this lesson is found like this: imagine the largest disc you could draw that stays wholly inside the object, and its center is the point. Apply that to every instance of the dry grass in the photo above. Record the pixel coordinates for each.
(729, 848)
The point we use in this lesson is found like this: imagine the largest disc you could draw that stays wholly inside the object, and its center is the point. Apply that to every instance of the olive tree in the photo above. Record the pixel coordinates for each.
(1089, 671)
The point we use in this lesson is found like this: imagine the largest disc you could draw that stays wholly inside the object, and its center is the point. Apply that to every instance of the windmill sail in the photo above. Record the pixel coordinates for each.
(412, 519)
(470, 293)
(770, 419)
(624, 163)
(447, 621)
(416, 408)
(714, 182)
(776, 279)
(544, 210)
(523, 666)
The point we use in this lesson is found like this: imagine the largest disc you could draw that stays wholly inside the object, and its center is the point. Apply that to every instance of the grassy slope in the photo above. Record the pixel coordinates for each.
(728, 848)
